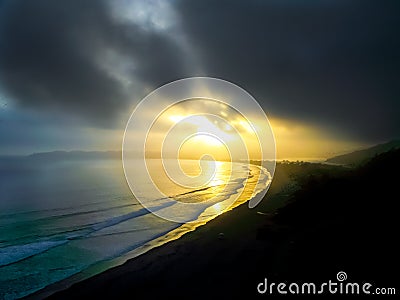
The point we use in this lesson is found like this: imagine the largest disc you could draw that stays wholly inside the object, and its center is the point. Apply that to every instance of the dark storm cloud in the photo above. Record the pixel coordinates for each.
(51, 56)
(334, 63)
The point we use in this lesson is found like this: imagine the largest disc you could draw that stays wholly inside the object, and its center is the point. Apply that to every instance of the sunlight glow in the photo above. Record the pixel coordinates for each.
(302, 141)
(209, 134)
(203, 124)
(207, 140)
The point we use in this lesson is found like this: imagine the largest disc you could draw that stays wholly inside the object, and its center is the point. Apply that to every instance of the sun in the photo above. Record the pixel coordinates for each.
(205, 125)
(206, 140)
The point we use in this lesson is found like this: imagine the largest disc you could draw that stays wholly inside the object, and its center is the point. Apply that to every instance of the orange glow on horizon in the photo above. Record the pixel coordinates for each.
(296, 140)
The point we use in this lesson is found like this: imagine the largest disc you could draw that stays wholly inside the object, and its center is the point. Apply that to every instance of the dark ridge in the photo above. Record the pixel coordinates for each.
(362, 156)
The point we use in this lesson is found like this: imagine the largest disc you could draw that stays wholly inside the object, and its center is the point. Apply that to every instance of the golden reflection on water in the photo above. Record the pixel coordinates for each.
(244, 194)
(211, 181)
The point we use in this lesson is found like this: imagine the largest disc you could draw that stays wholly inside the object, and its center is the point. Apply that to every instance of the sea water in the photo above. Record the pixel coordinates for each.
(59, 218)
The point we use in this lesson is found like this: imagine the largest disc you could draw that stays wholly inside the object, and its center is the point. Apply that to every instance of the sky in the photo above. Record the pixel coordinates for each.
(325, 72)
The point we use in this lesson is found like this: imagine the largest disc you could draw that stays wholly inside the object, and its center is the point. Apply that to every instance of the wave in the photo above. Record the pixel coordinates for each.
(194, 191)
(53, 211)
(15, 253)
(123, 218)
(68, 215)
(12, 254)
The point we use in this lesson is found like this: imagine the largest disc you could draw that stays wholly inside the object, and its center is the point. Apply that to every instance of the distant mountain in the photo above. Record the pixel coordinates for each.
(362, 156)
(76, 155)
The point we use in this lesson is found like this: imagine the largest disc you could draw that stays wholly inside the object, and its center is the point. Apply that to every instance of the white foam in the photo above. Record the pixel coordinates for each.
(12, 254)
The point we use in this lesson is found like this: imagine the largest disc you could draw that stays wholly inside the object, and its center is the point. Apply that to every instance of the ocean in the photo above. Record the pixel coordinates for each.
(63, 218)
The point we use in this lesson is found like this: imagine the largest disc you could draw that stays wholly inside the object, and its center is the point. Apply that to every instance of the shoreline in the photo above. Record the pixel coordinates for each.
(164, 255)
(164, 240)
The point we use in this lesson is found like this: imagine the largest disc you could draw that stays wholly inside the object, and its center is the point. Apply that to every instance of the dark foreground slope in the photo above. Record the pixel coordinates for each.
(335, 221)
(348, 223)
